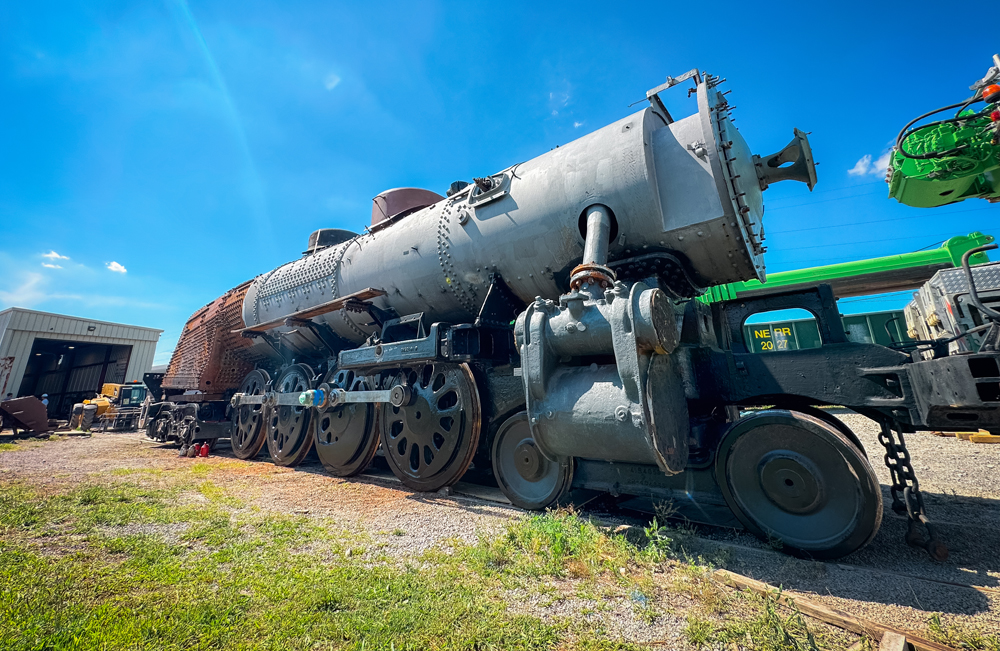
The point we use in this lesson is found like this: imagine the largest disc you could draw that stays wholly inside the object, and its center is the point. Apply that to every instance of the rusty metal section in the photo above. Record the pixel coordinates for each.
(28, 414)
(209, 356)
(400, 202)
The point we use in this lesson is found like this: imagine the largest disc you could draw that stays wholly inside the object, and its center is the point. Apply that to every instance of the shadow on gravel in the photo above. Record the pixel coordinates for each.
(887, 570)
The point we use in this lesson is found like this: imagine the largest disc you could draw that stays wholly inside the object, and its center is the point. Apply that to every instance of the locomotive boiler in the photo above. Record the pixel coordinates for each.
(542, 323)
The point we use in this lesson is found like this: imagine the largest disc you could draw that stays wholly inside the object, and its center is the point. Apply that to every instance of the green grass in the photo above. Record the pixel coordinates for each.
(224, 582)
(145, 563)
(961, 637)
(123, 566)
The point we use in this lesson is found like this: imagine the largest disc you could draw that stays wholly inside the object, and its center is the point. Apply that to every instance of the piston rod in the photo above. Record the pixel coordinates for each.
(325, 396)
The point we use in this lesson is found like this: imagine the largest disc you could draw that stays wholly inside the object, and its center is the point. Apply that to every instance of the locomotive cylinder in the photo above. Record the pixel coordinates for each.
(600, 410)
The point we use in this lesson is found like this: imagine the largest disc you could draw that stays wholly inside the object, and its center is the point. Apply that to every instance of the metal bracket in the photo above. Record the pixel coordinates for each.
(500, 306)
(500, 189)
(653, 94)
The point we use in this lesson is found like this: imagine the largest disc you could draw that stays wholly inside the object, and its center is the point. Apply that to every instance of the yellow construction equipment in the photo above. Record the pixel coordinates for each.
(118, 405)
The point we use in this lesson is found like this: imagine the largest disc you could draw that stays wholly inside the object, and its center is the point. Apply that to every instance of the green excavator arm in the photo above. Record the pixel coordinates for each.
(891, 273)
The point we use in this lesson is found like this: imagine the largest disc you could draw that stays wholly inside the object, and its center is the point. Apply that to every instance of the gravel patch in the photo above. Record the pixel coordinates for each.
(886, 581)
(632, 618)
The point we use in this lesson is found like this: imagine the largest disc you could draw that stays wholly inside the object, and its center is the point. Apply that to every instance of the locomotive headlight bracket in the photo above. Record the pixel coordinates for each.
(500, 189)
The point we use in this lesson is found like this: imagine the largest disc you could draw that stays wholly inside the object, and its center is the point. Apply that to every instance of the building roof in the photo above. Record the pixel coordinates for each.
(19, 318)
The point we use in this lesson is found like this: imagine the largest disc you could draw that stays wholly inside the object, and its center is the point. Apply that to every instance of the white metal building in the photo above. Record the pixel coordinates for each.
(68, 357)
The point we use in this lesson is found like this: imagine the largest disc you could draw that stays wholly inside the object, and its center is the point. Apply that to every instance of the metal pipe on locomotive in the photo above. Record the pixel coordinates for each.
(540, 322)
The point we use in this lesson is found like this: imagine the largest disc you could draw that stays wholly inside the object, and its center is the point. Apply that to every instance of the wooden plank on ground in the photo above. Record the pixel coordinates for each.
(826, 614)
(892, 642)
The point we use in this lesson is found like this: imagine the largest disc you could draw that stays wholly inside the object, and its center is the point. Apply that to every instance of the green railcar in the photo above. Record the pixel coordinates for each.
(882, 328)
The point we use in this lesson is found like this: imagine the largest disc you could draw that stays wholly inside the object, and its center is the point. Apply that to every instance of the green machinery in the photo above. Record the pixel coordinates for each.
(953, 159)
(891, 273)
(858, 278)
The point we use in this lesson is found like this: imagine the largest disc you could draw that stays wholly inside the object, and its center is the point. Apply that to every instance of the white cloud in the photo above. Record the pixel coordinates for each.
(865, 166)
(51, 266)
(27, 294)
(331, 81)
(560, 98)
(577, 125)
(52, 255)
(862, 167)
(115, 267)
(882, 164)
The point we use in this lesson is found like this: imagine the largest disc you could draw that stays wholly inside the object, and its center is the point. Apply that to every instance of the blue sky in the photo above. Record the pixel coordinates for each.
(161, 153)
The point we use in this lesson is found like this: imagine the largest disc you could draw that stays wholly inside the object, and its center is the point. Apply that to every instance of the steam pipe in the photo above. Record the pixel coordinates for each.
(593, 269)
(595, 249)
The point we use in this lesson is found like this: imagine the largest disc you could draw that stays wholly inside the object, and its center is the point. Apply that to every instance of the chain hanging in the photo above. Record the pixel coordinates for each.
(906, 497)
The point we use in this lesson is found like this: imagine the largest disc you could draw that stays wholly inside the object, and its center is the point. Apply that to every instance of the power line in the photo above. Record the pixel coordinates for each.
(880, 221)
(878, 297)
(829, 190)
(911, 237)
(835, 260)
(813, 203)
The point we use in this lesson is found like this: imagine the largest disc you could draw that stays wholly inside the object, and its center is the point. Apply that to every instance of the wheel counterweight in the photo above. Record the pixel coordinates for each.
(797, 481)
(248, 432)
(345, 436)
(525, 476)
(429, 442)
(289, 437)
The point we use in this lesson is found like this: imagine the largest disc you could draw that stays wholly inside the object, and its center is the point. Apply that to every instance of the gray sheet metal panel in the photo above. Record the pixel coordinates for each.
(20, 350)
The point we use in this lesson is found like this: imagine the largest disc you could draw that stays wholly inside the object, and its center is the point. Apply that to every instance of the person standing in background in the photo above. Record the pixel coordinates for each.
(45, 401)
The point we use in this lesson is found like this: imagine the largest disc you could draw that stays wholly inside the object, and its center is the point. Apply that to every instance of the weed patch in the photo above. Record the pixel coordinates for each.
(961, 637)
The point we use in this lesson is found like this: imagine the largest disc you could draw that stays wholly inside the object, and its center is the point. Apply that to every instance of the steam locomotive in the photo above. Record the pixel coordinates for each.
(542, 323)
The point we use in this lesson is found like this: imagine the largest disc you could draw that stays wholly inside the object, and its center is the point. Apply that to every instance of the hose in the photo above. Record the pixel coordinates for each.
(904, 134)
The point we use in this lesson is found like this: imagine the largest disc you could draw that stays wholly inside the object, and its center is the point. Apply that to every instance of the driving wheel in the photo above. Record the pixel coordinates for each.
(430, 440)
(288, 436)
(345, 435)
(248, 433)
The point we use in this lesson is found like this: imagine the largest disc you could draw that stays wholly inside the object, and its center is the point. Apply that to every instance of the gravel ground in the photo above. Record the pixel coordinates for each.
(886, 581)
(961, 486)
